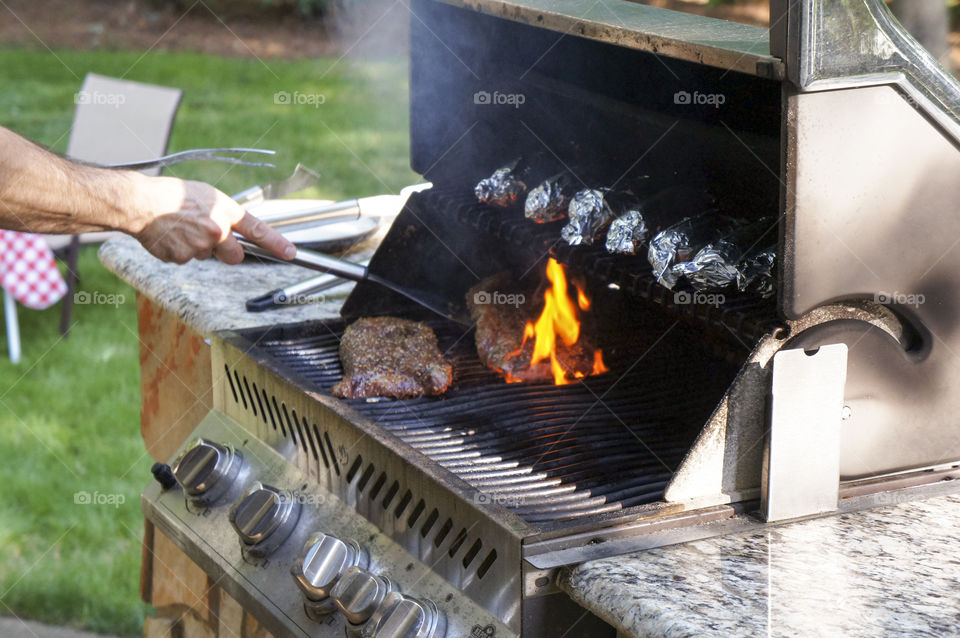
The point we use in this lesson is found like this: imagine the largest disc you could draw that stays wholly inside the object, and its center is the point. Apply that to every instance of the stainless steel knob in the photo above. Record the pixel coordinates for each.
(358, 593)
(400, 616)
(264, 517)
(322, 562)
(206, 470)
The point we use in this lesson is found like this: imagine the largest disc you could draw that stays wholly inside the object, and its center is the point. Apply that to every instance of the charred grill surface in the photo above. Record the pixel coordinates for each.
(552, 454)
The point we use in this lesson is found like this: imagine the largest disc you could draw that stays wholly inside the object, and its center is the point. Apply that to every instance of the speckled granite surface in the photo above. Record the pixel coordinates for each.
(210, 296)
(891, 571)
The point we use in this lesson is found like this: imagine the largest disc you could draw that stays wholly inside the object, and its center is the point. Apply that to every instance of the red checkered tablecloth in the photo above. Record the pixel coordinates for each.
(28, 270)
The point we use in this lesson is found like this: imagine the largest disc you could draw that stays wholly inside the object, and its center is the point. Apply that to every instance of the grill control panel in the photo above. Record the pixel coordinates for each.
(295, 557)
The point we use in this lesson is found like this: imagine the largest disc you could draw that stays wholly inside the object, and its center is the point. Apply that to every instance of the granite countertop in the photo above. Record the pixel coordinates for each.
(210, 296)
(890, 571)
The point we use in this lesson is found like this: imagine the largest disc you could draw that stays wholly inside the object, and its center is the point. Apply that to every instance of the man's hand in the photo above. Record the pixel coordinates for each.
(192, 220)
(176, 220)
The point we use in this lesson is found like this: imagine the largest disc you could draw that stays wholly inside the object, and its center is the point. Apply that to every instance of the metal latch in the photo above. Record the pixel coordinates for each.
(801, 463)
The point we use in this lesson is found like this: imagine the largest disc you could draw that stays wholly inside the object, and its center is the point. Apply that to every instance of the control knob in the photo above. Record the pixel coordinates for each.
(323, 560)
(264, 517)
(400, 616)
(206, 470)
(358, 593)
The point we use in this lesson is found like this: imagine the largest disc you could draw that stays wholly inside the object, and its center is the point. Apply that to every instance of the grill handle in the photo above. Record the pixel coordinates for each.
(312, 260)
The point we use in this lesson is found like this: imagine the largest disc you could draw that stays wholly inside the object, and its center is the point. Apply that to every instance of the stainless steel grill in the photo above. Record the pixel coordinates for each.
(713, 419)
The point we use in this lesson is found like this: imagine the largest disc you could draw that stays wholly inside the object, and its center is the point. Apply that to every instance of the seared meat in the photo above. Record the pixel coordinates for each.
(390, 357)
(500, 328)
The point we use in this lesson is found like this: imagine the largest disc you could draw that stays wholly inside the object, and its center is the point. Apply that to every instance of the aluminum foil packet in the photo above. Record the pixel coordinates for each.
(755, 272)
(590, 215)
(716, 266)
(680, 242)
(549, 201)
(502, 189)
(656, 209)
(627, 233)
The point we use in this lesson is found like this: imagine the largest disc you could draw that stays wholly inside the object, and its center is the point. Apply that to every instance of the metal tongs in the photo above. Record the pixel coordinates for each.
(204, 154)
(359, 273)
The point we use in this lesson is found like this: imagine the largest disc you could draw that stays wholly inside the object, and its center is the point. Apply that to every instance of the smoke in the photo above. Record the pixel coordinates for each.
(370, 29)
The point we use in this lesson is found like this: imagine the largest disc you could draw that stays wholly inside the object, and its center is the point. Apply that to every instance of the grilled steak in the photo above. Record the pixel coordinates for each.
(499, 335)
(390, 357)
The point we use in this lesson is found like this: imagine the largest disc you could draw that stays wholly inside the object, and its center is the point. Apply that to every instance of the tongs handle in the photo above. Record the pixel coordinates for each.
(310, 259)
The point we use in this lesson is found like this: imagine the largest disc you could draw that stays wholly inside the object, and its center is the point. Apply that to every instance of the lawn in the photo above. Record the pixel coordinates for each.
(69, 413)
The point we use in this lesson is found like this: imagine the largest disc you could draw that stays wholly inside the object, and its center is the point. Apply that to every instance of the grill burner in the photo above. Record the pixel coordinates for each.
(549, 453)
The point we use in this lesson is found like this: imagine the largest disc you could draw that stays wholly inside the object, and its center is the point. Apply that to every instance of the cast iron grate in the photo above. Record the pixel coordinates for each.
(549, 453)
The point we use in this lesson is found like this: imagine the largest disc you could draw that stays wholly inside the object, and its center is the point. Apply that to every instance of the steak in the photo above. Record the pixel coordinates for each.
(391, 357)
(499, 334)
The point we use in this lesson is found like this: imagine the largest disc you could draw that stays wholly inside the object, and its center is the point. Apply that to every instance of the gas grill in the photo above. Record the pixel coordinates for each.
(451, 515)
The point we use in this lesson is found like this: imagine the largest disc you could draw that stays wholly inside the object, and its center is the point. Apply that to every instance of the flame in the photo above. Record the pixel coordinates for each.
(559, 320)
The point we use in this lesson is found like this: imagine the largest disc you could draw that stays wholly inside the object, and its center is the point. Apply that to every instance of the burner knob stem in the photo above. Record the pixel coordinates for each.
(206, 470)
(264, 517)
(163, 475)
(400, 616)
(323, 560)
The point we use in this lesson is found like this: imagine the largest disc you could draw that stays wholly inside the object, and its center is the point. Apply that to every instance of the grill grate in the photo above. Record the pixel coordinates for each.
(548, 453)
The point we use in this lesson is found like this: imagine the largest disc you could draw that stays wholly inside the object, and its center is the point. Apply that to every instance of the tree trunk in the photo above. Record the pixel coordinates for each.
(926, 20)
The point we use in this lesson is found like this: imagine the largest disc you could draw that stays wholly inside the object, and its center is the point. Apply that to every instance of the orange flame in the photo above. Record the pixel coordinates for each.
(559, 320)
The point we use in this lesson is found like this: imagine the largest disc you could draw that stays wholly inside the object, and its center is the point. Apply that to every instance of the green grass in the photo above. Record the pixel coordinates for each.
(69, 413)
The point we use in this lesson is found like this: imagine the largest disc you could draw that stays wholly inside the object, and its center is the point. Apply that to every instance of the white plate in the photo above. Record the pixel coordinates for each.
(339, 234)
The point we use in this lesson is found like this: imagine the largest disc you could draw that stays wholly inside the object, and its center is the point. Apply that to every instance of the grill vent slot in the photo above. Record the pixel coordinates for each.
(378, 485)
(402, 505)
(487, 563)
(388, 497)
(352, 472)
(457, 542)
(415, 514)
(365, 478)
(442, 533)
(274, 413)
(472, 553)
(333, 455)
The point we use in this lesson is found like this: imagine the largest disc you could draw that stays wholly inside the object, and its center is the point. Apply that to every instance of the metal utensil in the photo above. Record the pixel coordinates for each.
(205, 154)
(346, 210)
(301, 178)
(291, 294)
(358, 273)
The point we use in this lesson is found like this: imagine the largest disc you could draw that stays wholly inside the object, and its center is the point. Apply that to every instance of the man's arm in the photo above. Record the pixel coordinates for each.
(174, 219)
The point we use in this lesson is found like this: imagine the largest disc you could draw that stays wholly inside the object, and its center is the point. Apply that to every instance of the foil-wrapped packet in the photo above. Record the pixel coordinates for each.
(627, 233)
(716, 265)
(755, 272)
(590, 215)
(634, 227)
(549, 201)
(503, 188)
(680, 242)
